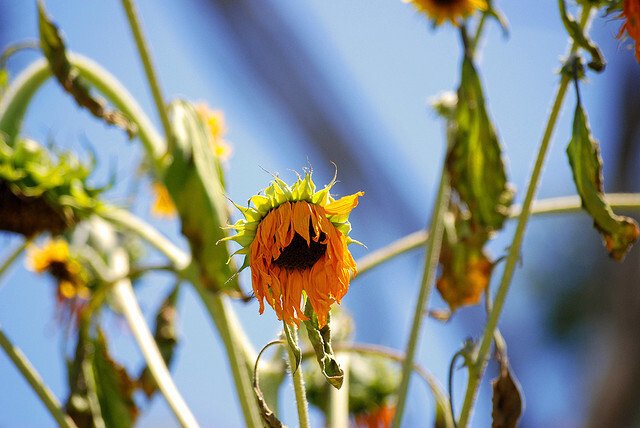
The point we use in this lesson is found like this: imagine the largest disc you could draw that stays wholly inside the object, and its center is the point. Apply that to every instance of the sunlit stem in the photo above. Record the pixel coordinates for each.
(298, 384)
(476, 371)
(11, 258)
(16, 99)
(339, 398)
(35, 381)
(560, 205)
(123, 295)
(152, 79)
(432, 255)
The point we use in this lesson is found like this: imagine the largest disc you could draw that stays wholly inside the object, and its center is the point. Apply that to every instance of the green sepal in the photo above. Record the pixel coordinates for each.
(293, 345)
(320, 339)
(619, 232)
(54, 49)
(474, 160)
(197, 192)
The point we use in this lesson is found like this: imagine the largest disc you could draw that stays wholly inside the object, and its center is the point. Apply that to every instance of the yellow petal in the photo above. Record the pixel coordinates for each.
(344, 205)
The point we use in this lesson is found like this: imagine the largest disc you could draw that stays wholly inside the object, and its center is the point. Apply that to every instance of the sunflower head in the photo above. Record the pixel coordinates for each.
(630, 12)
(295, 240)
(452, 10)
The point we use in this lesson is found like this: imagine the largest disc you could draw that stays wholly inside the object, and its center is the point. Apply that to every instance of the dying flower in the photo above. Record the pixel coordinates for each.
(55, 259)
(162, 205)
(631, 14)
(295, 240)
(452, 10)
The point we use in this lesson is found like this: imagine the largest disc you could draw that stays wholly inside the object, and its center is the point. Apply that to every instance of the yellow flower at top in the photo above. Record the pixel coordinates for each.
(55, 258)
(631, 14)
(162, 205)
(452, 10)
(295, 240)
(217, 128)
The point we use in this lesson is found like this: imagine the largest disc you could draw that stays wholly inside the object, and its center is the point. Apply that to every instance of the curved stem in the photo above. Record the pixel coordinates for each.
(145, 55)
(432, 255)
(16, 99)
(298, 384)
(560, 205)
(35, 381)
(476, 371)
(6, 264)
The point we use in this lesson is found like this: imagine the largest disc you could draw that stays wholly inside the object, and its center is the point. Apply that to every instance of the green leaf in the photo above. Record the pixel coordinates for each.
(166, 338)
(320, 339)
(54, 50)
(474, 160)
(293, 345)
(619, 232)
(582, 39)
(194, 184)
(268, 416)
(114, 387)
(507, 399)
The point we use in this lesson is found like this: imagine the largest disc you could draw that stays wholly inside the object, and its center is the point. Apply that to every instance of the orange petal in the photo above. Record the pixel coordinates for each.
(344, 205)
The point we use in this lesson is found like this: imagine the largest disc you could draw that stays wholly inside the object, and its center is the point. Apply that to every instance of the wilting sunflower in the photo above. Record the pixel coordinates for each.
(55, 258)
(453, 10)
(295, 240)
(631, 14)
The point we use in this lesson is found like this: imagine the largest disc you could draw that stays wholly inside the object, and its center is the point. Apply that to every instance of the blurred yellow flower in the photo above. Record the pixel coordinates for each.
(55, 258)
(163, 206)
(452, 10)
(217, 129)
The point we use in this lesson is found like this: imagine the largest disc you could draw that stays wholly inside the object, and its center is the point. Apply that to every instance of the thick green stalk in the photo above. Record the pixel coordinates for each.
(476, 371)
(560, 205)
(298, 384)
(35, 381)
(17, 98)
(432, 255)
(152, 79)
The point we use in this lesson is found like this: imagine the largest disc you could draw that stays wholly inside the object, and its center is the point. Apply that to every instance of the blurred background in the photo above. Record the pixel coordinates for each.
(317, 82)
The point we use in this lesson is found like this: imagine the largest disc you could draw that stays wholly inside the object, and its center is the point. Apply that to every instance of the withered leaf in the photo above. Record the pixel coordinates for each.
(507, 399)
(320, 339)
(293, 345)
(474, 160)
(619, 232)
(54, 50)
(268, 416)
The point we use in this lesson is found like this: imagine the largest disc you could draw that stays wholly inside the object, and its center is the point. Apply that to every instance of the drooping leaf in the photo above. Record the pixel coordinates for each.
(619, 232)
(166, 338)
(320, 339)
(268, 416)
(293, 345)
(582, 39)
(474, 160)
(114, 387)
(507, 399)
(466, 269)
(195, 188)
(54, 49)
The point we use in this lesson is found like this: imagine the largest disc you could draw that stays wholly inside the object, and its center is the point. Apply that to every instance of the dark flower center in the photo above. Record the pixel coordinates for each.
(445, 2)
(59, 271)
(299, 255)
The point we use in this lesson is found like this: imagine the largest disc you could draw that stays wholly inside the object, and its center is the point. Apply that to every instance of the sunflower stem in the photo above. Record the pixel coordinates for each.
(560, 205)
(339, 398)
(476, 370)
(35, 381)
(8, 262)
(432, 255)
(298, 383)
(152, 79)
(16, 99)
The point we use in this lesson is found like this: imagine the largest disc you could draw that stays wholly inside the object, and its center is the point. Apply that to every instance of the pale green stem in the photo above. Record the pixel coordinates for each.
(16, 99)
(432, 255)
(123, 295)
(298, 384)
(35, 381)
(152, 79)
(6, 264)
(560, 205)
(339, 398)
(476, 371)
(240, 353)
